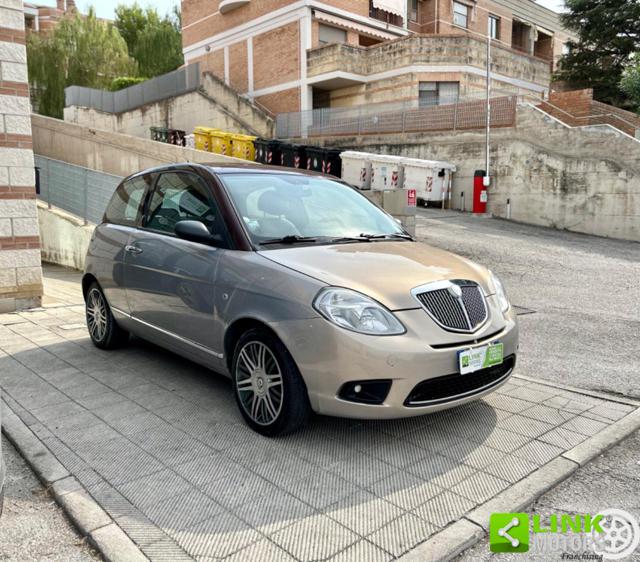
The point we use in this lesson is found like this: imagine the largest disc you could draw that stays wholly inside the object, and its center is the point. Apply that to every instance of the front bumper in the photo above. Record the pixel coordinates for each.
(329, 357)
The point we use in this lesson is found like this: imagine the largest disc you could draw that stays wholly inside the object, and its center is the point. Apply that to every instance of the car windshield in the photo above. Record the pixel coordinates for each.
(306, 209)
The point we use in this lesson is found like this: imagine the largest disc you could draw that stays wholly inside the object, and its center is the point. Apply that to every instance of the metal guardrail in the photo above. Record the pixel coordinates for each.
(178, 82)
(397, 118)
(77, 190)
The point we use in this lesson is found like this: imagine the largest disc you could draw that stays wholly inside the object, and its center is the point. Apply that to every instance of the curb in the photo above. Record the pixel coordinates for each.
(593, 393)
(473, 527)
(86, 515)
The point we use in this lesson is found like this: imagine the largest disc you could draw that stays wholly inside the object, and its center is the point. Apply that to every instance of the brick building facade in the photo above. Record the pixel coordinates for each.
(277, 51)
(38, 18)
(20, 270)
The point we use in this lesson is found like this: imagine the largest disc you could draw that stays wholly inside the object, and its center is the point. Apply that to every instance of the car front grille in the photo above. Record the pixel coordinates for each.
(454, 387)
(460, 314)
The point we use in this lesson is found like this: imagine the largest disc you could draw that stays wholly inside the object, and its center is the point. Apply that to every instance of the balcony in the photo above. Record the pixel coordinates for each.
(338, 65)
(386, 17)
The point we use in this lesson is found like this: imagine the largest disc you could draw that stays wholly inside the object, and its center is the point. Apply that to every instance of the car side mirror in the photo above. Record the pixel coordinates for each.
(195, 231)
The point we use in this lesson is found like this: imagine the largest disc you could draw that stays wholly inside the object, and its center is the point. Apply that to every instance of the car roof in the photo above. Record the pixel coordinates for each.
(231, 168)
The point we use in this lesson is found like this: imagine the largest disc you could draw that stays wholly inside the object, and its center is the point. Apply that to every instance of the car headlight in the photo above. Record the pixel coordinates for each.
(500, 292)
(356, 312)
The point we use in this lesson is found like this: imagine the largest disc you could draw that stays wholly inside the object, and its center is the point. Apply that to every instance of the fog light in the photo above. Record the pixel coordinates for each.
(365, 392)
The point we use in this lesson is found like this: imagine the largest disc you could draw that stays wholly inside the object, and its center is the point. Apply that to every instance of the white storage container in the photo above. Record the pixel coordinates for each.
(356, 168)
(430, 178)
(386, 172)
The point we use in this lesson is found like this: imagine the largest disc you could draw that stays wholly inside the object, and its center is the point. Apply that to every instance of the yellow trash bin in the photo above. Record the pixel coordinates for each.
(243, 147)
(202, 137)
(221, 143)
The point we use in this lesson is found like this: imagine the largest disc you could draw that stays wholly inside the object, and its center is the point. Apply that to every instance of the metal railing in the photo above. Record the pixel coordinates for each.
(398, 118)
(80, 191)
(599, 114)
(176, 83)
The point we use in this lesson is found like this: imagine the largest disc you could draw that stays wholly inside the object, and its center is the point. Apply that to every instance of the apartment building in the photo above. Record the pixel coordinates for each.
(294, 55)
(39, 18)
(20, 271)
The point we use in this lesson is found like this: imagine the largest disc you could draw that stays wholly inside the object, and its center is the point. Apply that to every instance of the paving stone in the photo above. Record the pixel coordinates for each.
(362, 551)
(404, 490)
(182, 511)
(321, 489)
(548, 415)
(361, 469)
(217, 537)
(585, 426)
(511, 468)
(314, 538)
(261, 550)
(527, 426)
(480, 486)
(153, 488)
(538, 452)
(444, 508)
(563, 438)
(165, 551)
(142, 530)
(271, 512)
(363, 513)
(209, 468)
(402, 534)
(472, 454)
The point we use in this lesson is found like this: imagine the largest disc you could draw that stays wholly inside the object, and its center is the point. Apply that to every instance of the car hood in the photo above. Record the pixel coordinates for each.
(385, 271)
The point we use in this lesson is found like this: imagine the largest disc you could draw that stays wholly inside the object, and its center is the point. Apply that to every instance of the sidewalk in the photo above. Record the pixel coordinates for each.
(158, 443)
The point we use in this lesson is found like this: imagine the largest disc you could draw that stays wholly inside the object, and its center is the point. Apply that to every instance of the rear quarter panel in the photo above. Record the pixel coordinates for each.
(105, 261)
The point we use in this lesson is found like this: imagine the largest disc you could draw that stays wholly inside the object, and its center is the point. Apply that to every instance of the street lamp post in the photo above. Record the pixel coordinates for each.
(487, 176)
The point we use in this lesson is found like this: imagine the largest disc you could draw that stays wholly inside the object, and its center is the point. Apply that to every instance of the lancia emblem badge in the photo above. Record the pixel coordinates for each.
(455, 290)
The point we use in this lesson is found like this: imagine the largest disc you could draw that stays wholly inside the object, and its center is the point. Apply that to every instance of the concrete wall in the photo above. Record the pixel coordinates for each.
(65, 237)
(580, 179)
(20, 271)
(214, 105)
(109, 152)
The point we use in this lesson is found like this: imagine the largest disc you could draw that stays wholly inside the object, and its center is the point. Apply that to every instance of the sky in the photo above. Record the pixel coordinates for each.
(105, 8)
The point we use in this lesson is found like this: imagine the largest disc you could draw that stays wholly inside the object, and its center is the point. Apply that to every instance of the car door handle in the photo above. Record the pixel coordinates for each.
(133, 250)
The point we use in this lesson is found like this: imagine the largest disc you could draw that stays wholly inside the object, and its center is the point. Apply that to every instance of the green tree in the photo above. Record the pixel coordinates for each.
(630, 83)
(154, 42)
(608, 34)
(82, 51)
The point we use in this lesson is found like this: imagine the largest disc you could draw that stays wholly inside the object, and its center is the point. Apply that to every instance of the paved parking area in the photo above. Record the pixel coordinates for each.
(158, 442)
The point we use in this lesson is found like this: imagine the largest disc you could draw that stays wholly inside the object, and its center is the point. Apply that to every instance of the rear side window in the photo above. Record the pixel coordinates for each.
(125, 207)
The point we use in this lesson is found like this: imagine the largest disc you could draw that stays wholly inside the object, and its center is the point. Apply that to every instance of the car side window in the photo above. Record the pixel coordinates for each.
(125, 207)
(181, 196)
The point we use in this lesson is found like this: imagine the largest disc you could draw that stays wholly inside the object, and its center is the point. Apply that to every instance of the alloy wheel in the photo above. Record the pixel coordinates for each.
(96, 315)
(259, 383)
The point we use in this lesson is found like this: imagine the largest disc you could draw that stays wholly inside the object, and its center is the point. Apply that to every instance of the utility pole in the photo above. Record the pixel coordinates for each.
(487, 175)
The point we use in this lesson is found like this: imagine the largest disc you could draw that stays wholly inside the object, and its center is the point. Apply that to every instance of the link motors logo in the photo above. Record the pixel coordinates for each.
(612, 534)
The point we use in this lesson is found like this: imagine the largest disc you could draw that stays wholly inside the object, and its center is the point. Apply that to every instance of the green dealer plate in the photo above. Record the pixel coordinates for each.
(471, 360)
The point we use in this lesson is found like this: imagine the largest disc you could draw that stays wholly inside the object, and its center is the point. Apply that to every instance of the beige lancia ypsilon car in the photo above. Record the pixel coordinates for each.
(309, 296)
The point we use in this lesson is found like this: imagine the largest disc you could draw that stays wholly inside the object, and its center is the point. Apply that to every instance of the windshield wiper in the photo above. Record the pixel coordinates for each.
(386, 236)
(290, 239)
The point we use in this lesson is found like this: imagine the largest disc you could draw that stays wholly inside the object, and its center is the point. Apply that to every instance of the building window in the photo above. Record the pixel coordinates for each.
(328, 34)
(494, 27)
(566, 48)
(460, 14)
(413, 10)
(438, 93)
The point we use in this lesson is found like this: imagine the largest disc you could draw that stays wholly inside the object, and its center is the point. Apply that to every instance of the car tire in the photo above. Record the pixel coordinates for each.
(103, 329)
(272, 396)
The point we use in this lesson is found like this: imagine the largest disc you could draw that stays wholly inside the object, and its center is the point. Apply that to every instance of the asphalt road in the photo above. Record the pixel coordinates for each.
(32, 526)
(583, 291)
(583, 329)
